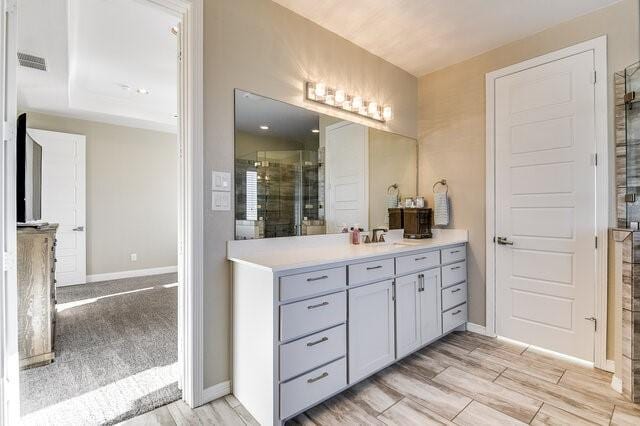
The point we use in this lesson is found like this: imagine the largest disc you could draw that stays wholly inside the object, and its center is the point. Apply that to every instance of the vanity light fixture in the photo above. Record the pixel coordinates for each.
(340, 99)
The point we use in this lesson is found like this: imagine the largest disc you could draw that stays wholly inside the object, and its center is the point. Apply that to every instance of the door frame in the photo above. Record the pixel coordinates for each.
(190, 206)
(599, 47)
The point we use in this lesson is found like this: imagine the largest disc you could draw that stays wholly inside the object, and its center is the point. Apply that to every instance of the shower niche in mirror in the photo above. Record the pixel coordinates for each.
(298, 172)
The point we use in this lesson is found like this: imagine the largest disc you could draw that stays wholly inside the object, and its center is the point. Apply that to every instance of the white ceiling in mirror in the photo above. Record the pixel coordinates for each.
(421, 36)
(284, 121)
(102, 56)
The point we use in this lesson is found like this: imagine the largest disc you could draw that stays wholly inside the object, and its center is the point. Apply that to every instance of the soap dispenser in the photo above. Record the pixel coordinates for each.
(355, 234)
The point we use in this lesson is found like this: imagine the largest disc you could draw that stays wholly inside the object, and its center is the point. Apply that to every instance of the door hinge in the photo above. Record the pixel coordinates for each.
(8, 261)
(594, 77)
(595, 322)
(595, 160)
(596, 241)
(393, 292)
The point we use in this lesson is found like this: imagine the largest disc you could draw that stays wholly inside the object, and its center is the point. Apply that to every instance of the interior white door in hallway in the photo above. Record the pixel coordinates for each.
(346, 176)
(545, 205)
(63, 200)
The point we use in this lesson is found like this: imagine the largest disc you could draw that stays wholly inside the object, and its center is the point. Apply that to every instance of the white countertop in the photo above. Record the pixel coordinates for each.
(279, 254)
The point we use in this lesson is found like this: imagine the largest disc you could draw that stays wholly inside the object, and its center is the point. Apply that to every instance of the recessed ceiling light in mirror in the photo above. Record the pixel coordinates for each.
(315, 131)
(143, 91)
(264, 127)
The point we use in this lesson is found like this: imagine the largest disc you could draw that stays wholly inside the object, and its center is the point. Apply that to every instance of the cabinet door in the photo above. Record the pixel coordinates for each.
(430, 313)
(407, 314)
(371, 329)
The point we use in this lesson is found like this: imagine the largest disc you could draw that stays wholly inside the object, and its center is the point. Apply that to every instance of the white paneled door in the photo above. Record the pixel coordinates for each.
(63, 200)
(545, 205)
(347, 176)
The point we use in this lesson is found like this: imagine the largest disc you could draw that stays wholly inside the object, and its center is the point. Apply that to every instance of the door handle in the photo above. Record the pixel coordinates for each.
(78, 229)
(503, 241)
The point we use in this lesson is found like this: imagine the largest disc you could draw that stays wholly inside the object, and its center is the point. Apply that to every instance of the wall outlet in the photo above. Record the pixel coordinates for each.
(134, 257)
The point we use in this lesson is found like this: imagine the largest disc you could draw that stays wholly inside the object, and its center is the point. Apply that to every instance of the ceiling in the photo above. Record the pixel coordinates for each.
(421, 36)
(98, 53)
(285, 121)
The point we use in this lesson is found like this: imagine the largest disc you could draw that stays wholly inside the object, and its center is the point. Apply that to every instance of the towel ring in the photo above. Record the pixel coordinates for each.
(442, 182)
(392, 187)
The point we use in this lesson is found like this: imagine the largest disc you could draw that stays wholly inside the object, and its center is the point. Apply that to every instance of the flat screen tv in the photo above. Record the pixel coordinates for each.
(29, 170)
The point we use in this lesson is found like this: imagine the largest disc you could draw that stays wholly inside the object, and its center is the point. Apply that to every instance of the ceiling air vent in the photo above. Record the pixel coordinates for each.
(31, 61)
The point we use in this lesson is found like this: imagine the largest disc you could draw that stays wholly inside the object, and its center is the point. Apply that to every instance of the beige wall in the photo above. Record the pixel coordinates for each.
(132, 198)
(451, 123)
(248, 143)
(261, 47)
(392, 159)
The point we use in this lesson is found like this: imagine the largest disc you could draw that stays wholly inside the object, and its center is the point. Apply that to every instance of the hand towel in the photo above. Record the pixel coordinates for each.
(441, 208)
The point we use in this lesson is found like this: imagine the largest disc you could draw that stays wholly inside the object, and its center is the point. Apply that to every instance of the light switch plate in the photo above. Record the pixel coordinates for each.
(221, 201)
(220, 181)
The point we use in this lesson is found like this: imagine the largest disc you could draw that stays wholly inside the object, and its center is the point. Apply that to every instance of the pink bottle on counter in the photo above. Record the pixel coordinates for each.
(355, 235)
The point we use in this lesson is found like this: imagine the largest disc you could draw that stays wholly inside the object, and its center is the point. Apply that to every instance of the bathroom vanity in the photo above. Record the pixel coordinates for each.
(313, 316)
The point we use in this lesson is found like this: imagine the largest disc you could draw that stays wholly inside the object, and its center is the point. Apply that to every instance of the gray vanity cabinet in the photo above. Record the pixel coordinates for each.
(407, 314)
(418, 312)
(371, 329)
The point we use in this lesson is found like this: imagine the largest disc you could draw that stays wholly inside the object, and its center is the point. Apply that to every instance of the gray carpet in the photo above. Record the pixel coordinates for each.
(116, 354)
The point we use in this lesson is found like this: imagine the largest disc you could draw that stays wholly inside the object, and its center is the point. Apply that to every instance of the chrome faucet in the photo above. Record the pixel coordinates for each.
(375, 235)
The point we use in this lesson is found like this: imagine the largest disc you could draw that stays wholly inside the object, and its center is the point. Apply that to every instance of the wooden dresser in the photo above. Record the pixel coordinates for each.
(36, 295)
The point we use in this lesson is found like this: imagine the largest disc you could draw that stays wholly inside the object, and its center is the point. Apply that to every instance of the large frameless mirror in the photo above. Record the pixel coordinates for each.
(298, 172)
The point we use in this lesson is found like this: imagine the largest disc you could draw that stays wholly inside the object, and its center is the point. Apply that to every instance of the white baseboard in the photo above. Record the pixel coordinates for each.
(130, 274)
(616, 384)
(475, 328)
(610, 366)
(217, 391)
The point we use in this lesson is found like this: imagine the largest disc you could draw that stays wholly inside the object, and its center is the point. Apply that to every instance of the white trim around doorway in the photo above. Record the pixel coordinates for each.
(599, 47)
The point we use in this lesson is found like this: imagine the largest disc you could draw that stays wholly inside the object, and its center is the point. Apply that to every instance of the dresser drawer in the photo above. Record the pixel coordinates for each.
(312, 351)
(454, 295)
(371, 271)
(310, 283)
(454, 274)
(308, 316)
(454, 318)
(311, 388)
(417, 262)
(454, 254)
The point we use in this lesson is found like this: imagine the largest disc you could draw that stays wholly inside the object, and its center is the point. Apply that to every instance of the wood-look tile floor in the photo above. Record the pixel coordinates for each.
(463, 379)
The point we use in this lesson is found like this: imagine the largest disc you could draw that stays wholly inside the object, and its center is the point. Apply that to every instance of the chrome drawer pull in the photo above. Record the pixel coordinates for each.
(374, 267)
(417, 259)
(456, 290)
(455, 267)
(454, 251)
(324, 277)
(456, 312)
(324, 339)
(318, 305)
(315, 379)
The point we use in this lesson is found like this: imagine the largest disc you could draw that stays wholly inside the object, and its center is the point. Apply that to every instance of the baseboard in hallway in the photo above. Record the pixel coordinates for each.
(131, 274)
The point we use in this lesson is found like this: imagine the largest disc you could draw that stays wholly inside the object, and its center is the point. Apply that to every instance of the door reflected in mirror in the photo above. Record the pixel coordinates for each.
(298, 172)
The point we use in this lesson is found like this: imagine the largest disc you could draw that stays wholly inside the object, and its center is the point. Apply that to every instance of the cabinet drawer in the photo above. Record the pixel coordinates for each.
(310, 283)
(417, 262)
(312, 351)
(454, 274)
(454, 295)
(371, 271)
(454, 254)
(454, 317)
(307, 316)
(313, 387)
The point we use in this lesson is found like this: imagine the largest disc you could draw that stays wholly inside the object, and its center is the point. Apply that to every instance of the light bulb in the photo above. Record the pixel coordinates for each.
(373, 108)
(339, 96)
(387, 113)
(356, 103)
(346, 105)
(321, 90)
